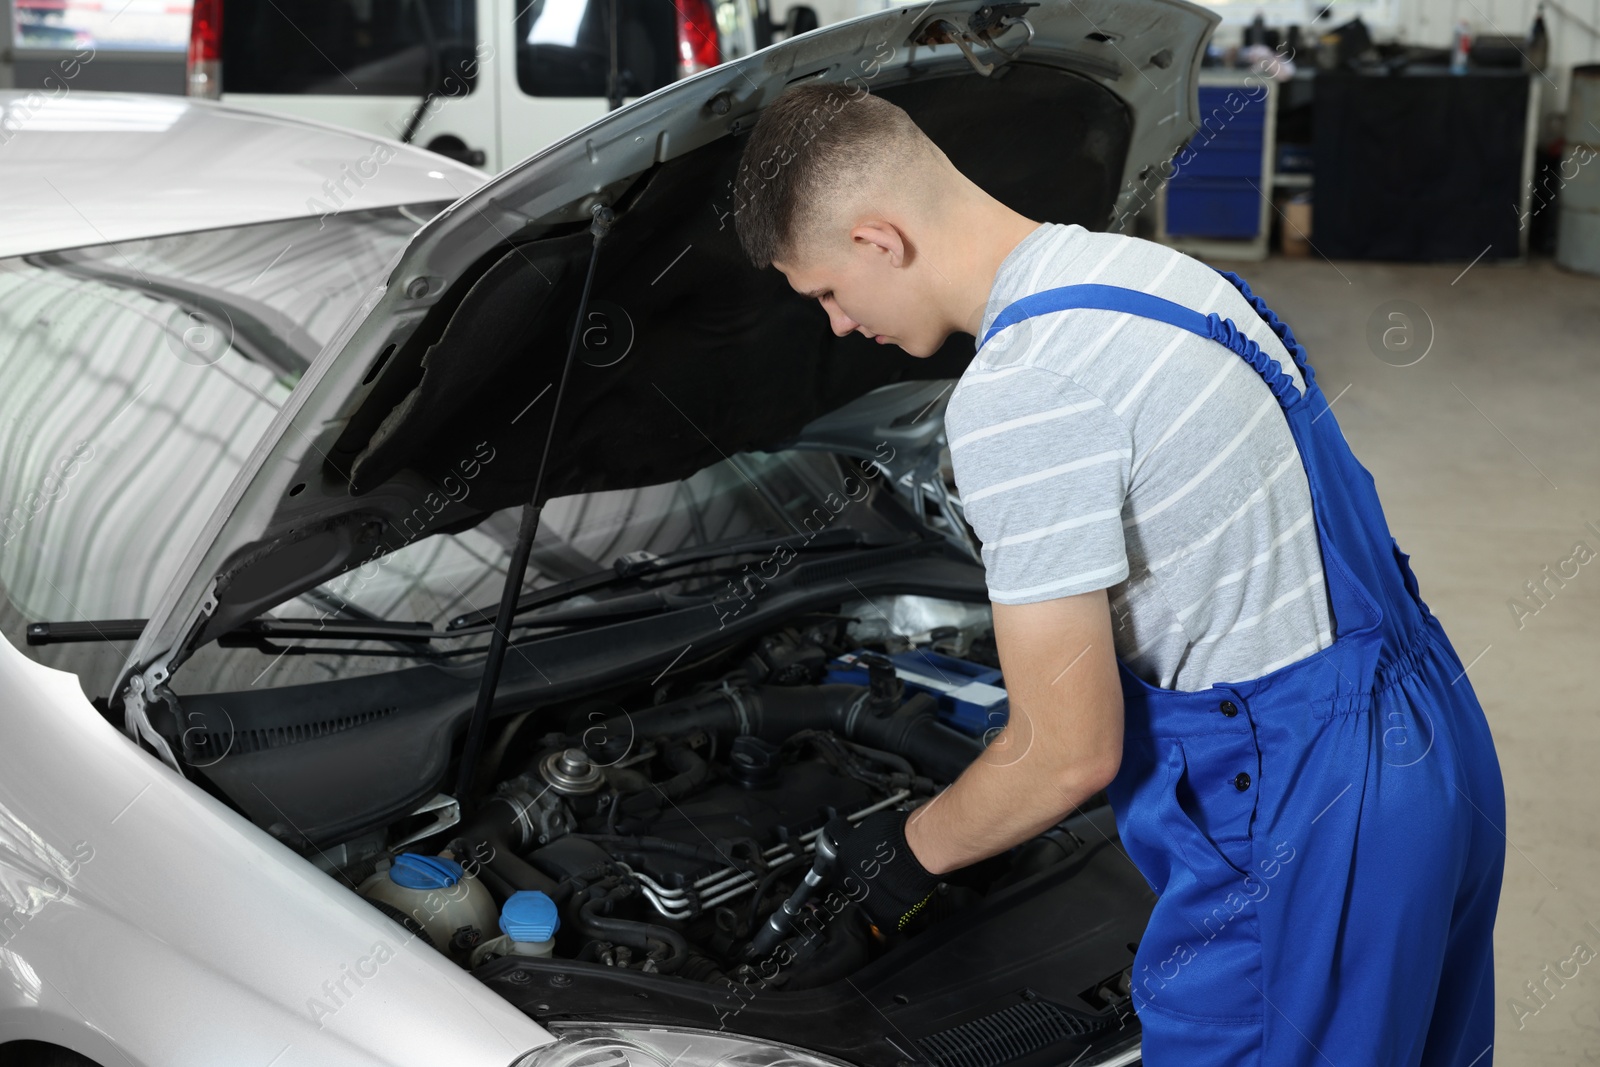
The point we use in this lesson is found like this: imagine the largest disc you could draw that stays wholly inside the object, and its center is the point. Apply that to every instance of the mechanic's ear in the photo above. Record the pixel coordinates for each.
(880, 236)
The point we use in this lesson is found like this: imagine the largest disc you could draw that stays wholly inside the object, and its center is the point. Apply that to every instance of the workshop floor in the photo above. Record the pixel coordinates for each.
(1487, 456)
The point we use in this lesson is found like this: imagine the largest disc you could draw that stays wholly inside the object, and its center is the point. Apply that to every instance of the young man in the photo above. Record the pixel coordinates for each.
(1197, 603)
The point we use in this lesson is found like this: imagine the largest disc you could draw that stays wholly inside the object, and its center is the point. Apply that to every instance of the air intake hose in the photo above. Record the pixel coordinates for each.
(499, 826)
(776, 713)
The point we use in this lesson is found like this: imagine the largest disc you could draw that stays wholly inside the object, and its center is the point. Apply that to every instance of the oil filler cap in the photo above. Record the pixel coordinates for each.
(754, 762)
(529, 916)
(412, 870)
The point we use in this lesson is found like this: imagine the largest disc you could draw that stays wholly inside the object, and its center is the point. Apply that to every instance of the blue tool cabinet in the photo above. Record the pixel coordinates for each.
(1216, 201)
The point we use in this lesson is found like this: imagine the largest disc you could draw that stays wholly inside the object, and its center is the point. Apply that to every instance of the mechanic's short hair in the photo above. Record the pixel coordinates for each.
(811, 148)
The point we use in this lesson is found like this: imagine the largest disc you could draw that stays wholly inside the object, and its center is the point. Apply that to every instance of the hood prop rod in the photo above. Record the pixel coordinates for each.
(599, 226)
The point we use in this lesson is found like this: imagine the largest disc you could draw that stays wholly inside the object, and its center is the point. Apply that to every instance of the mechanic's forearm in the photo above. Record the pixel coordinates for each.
(996, 804)
(1061, 745)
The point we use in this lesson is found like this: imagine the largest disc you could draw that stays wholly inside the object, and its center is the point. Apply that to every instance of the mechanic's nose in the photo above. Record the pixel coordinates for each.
(843, 325)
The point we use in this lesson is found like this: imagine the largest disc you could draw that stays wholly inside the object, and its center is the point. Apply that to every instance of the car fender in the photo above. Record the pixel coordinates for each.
(143, 922)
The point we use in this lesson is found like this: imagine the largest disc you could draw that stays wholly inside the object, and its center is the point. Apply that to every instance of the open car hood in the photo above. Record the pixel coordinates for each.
(689, 353)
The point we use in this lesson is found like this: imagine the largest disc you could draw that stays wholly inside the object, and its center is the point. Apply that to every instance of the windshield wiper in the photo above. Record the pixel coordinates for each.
(259, 632)
(249, 633)
(67, 633)
(254, 632)
(367, 627)
(636, 565)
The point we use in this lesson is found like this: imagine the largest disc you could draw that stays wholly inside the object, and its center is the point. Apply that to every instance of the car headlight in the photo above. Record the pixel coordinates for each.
(619, 1045)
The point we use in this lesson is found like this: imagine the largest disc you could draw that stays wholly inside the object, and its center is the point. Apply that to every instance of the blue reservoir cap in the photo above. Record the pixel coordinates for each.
(530, 915)
(416, 871)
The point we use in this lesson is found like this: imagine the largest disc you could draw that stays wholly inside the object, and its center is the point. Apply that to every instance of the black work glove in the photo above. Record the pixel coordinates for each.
(877, 870)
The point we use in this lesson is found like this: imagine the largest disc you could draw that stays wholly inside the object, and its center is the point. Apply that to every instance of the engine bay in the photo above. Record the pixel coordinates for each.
(656, 850)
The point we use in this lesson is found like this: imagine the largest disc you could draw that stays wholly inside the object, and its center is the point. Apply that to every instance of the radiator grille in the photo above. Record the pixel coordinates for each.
(1006, 1035)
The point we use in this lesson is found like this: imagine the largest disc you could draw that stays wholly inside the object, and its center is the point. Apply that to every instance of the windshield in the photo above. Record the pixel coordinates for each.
(138, 377)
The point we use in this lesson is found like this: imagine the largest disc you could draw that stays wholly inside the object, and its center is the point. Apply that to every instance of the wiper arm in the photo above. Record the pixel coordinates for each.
(249, 633)
(265, 637)
(257, 630)
(637, 565)
(67, 633)
(254, 633)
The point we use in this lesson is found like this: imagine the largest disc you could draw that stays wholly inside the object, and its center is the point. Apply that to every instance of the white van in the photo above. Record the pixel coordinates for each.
(485, 82)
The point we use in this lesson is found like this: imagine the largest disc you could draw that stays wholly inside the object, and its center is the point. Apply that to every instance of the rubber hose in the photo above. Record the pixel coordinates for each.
(631, 933)
(466, 855)
(888, 759)
(691, 772)
(496, 884)
(498, 826)
(846, 757)
(789, 866)
(700, 968)
(776, 713)
(626, 779)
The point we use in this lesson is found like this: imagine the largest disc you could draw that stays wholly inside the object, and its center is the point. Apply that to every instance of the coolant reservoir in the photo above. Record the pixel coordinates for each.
(437, 893)
(529, 922)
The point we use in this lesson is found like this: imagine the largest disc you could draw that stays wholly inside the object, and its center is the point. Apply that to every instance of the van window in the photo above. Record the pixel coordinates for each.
(563, 48)
(349, 47)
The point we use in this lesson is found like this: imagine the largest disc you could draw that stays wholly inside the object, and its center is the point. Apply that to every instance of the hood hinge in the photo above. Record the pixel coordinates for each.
(136, 718)
(149, 686)
(984, 25)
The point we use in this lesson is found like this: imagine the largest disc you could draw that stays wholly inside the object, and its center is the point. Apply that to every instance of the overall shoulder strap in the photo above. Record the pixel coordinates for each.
(1133, 302)
(1102, 298)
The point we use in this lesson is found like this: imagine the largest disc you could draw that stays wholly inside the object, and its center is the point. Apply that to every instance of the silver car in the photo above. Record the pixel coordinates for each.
(308, 803)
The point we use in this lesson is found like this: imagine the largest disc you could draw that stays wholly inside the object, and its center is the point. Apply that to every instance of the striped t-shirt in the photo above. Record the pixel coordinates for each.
(1100, 450)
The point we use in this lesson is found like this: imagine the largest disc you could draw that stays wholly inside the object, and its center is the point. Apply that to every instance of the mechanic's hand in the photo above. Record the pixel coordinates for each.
(878, 871)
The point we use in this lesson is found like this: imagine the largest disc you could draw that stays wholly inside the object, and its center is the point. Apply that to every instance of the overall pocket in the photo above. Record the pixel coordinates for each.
(1180, 810)
(1200, 957)
(1211, 807)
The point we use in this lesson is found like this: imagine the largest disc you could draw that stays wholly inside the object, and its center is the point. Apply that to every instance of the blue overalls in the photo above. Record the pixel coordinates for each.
(1327, 840)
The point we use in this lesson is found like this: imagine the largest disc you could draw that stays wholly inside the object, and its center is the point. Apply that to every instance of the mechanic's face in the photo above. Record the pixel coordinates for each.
(870, 288)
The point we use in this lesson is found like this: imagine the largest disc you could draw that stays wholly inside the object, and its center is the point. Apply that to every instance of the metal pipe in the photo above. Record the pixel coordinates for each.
(723, 885)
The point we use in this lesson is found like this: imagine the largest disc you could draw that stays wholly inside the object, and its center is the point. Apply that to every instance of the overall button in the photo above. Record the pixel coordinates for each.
(1229, 708)
(1241, 781)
